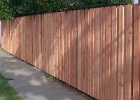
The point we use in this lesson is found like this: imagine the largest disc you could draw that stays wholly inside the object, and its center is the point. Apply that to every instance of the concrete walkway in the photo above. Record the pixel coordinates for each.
(32, 83)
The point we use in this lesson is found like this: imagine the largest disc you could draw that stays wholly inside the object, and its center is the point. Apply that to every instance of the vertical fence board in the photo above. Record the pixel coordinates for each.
(10, 42)
(29, 36)
(108, 49)
(96, 52)
(100, 55)
(106, 57)
(82, 50)
(89, 51)
(79, 51)
(22, 39)
(73, 51)
(16, 49)
(49, 41)
(9, 46)
(37, 42)
(136, 63)
(91, 43)
(14, 37)
(51, 57)
(54, 43)
(27, 40)
(93, 50)
(44, 42)
(31, 40)
(50, 46)
(74, 42)
(86, 50)
(62, 43)
(66, 49)
(69, 47)
(11, 36)
(34, 40)
(65, 46)
(71, 66)
(59, 45)
(40, 42)
(8, 26)
(99, 52)
(103, 56)
(5, 34)
(18, 34)
(120, 51)
(114, 53)
(61, 52)
(128, 52)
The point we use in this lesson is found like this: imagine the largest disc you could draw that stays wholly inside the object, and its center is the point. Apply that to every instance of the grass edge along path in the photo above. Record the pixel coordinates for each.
(7, 92)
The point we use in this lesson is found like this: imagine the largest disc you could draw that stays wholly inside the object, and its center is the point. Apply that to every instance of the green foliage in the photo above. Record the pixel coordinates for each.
(14, 8)
(6, 91)
(5, 10)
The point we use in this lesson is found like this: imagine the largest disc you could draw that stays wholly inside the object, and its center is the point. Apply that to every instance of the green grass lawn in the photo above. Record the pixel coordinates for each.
(6, 91)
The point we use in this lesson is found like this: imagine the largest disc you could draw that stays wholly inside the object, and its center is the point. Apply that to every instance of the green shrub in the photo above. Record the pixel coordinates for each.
(14, 8)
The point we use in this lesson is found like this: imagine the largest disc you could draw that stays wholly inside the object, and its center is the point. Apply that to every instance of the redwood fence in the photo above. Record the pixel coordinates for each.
(94, 50)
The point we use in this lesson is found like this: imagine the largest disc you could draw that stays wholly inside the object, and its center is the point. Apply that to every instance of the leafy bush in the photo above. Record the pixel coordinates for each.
(14, 8)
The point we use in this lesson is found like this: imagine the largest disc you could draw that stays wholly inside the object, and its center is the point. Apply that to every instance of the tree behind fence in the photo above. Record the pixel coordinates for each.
(93, 50)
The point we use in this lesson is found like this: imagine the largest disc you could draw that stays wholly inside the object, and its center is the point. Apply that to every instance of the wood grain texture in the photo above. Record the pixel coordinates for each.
(108, 50)
(120, 83)
(91, 44)
(114, 53)
(34, 40)
(22, 39)
(136, 64)
(128, 52)
(82, 51)
(79, 51)
(86, 50)
(96, 52)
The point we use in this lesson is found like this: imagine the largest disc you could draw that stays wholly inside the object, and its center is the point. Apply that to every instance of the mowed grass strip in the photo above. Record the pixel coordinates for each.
(7, 92)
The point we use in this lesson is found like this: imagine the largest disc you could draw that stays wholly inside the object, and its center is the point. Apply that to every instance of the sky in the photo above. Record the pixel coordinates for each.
(135, 1)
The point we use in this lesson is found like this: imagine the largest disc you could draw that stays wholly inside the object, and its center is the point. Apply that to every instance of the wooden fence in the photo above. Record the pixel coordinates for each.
(94, 50)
